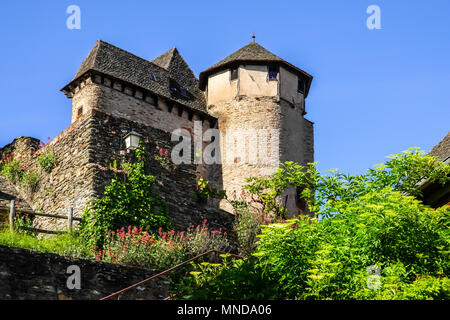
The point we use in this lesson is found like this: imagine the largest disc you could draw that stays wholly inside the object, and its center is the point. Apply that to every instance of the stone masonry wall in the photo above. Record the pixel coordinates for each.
(70, 183)
(295, 136)
(241, 147)
(85, 151)
(177, 185)
(123, 102)
(31, 275)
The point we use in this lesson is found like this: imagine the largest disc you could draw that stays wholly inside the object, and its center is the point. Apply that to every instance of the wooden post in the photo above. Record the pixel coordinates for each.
(70, 219)
(12, 214)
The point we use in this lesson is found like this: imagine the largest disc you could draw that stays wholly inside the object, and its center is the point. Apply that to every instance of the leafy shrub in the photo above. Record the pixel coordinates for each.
(231, 280)
(29, 179)
(367, 222)
(206, 191)
(133, 202)
(23, 222)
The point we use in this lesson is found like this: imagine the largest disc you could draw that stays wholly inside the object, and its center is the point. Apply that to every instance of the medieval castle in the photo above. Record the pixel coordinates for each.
(115, 92)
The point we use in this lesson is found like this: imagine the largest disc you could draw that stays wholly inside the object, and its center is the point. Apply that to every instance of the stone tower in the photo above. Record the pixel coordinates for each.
(259, 100)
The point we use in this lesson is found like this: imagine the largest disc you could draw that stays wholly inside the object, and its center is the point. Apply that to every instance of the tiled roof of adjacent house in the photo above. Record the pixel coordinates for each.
(251, 53)
(442, 149)
(154, 76)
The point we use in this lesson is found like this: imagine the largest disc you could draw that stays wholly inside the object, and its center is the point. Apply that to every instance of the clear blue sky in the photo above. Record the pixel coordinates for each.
(375, 92)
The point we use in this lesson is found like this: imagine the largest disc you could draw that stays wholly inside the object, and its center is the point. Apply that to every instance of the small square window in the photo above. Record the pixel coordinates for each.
(301, 86)
(234, 74)
(273, 73)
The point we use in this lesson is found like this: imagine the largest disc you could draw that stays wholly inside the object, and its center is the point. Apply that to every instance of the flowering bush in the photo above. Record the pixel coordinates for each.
(247, 225)
(133, 246)
(162, 156)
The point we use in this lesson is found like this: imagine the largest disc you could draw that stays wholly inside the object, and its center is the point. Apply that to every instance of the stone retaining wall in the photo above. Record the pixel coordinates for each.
(34, 275)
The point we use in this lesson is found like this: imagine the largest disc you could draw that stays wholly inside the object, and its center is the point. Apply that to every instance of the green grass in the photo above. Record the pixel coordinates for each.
(64, 244)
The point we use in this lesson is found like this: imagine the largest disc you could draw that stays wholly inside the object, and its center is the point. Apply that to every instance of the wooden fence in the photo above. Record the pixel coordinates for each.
(13, 210)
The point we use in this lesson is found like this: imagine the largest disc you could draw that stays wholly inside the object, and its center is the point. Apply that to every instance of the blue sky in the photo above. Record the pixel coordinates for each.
(374, 93)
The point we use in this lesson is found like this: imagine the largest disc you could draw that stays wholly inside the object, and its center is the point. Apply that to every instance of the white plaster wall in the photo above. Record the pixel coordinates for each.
(254, 82)
(220, 88)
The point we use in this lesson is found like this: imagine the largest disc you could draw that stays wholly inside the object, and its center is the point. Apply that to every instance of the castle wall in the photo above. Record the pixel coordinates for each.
(70, 183)
(236, 117)
(116, 100)
(177, 185)
(85, 151)
(296, 144)
(240, 123)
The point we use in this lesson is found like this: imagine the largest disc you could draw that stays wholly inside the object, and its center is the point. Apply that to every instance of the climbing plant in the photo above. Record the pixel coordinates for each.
(133, 202)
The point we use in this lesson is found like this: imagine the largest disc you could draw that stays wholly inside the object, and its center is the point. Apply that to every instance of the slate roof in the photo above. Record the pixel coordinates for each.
(442, 149)
(112, 61)
(252, 53)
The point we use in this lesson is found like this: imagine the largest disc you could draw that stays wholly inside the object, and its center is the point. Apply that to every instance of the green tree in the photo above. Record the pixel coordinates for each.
(364, 222)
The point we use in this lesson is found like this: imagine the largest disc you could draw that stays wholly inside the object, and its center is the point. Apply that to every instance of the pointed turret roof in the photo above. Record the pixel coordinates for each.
(252, 53)
(107, 59)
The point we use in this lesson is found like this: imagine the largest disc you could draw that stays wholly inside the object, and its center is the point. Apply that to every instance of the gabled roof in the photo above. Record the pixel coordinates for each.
(442, 149)
(252, 53)
(112, 61)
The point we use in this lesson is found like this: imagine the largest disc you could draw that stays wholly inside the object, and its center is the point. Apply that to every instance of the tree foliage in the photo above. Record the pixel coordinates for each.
(362, 223)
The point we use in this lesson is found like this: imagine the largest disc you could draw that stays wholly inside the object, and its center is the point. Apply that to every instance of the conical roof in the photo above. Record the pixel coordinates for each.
(251, 53)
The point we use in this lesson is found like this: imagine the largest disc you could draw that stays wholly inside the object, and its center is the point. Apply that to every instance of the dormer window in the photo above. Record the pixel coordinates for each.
(173, 87)
(234, 74)
(80, 111)
(273, 73)
(301, 86)
(152, 77)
